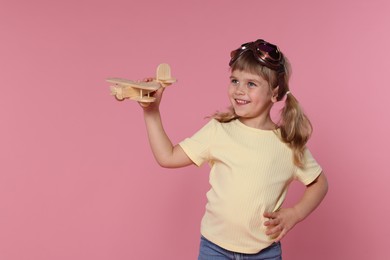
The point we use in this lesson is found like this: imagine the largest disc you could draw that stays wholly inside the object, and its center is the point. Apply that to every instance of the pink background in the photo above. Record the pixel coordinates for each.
(77, 178)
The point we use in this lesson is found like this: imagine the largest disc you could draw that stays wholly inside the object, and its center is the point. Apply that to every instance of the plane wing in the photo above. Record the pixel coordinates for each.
(151, 86)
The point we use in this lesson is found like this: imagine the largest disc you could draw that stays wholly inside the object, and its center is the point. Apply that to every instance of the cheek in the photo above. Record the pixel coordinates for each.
(230, 91)
(259, 97)
(264, 93)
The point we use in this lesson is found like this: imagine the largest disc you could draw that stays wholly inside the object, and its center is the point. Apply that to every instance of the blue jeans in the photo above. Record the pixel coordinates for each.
(210, 251)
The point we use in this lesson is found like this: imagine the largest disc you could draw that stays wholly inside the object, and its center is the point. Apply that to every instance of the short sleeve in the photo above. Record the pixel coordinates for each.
(197, 147)
(310, 171)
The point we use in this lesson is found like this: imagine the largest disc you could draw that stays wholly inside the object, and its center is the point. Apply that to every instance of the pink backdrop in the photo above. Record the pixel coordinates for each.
(77, 178)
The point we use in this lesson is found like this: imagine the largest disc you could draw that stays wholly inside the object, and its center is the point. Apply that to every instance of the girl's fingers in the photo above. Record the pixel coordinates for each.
(149, 79)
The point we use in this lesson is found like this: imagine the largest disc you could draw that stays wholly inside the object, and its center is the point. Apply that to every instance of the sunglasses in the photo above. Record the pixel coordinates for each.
(266, 53)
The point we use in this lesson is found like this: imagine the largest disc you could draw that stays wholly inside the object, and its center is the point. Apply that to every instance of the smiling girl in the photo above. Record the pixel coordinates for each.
(253, 159)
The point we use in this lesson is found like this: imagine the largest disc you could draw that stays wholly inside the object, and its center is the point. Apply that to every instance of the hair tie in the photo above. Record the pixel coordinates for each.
(288, 92)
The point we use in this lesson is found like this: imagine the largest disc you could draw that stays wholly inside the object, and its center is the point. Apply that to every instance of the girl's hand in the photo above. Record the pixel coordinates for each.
(153, 106)
(280, 222)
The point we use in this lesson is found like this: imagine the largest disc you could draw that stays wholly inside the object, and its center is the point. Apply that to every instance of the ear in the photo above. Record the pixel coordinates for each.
(275, 94)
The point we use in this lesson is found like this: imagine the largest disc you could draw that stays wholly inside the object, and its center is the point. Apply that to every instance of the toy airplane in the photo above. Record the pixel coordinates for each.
(140, 91)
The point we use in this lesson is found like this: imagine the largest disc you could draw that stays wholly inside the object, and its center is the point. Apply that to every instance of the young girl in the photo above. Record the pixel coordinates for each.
(252, 159)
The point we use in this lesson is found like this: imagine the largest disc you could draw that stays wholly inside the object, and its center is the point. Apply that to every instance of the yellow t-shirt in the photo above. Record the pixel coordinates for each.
(250, 173)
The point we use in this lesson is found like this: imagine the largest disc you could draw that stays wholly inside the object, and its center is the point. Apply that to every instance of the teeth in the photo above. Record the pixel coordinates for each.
(240, 101)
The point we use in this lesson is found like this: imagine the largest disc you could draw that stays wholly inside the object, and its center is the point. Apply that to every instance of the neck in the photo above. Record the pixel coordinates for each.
(265, 123)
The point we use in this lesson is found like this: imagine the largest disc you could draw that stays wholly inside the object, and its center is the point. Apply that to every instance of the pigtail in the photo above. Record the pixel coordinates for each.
(224, 117)
(295, 128)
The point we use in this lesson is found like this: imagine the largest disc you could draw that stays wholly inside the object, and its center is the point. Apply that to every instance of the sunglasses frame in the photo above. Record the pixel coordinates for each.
(266, 53)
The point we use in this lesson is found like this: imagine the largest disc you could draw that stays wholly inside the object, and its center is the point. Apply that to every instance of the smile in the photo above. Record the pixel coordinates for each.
(242, 102)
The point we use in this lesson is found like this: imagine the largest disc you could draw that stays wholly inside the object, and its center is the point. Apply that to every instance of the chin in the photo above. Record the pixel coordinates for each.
(240, 114)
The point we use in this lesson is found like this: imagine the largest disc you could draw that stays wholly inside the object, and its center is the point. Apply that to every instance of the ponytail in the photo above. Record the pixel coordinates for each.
(295, 128)
(224, 117)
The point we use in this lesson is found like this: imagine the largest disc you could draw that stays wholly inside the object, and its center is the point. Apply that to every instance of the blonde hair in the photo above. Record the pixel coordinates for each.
(295, 126)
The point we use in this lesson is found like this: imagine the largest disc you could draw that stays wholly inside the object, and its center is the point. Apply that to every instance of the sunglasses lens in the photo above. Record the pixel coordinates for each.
(270, 49)
(233, 53)
(266, 48)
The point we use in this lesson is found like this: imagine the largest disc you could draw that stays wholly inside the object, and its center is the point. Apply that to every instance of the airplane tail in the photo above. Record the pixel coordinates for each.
(164, 74)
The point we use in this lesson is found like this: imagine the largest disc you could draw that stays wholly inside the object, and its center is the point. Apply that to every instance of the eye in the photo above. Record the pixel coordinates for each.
(234, 81)
(251, 84)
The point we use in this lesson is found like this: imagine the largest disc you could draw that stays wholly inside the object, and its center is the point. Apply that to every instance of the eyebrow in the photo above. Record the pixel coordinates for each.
(258, 81)
(248, 80)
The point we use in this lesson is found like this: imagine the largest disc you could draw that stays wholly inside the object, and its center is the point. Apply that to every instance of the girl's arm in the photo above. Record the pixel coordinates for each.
(282, 221)
(165, 153)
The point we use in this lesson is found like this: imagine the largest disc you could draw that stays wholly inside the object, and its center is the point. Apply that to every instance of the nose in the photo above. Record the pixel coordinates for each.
(240, 89)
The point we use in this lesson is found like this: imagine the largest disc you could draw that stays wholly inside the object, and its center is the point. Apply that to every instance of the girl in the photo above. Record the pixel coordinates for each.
(252, 159)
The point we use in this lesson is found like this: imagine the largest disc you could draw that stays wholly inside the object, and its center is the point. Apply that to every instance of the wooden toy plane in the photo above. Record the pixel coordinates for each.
(140, 91)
